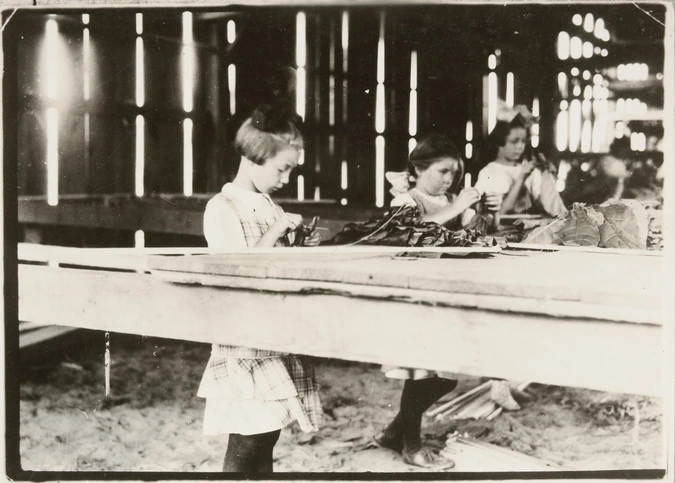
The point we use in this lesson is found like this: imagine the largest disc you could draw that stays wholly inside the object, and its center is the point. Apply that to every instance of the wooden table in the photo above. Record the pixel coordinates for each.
(575, 319)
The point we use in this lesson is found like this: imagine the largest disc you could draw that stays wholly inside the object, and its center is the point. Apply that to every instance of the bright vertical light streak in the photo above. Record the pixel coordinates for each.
(140, 156)
(576, 47)
(87, 131)
(562, 84)
(331, 146)
(231, 31)
(587, 50)
(509, 89)
(140, 72)
(412, 122)
(52, 157)
(492, 61)
(468, 150)
(574, 124)
(300, 62)
(301, 188)
(189, 62)
(343, 176)
(331, 100)
(345, 40)
(232, 86)
(561, 131)
(563, 46)
(139, 239)
(331, 48)
(139, 24)
(577, 19)
(379, 171)
(380, 52)
(599, 28)
(187, 157)
(469, 131)
(535, 107)
(85, 63)
(52, 59)
(379, 109)
(412, 142)
(589, 22)
(492, 101)
(85, 18)
(586, 136)
(317, 193)
(300, 87)
(413, 70)
(301, 39)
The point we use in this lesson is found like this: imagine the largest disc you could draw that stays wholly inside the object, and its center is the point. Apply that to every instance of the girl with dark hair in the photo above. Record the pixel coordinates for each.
(252, 394)
(436, 168)
(525, 182)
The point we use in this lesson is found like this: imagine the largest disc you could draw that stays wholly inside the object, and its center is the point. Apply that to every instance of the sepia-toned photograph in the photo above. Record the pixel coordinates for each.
(338, 239)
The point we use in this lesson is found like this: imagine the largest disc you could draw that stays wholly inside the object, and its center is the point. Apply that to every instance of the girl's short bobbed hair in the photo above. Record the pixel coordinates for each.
(267, 132)
(431, 149)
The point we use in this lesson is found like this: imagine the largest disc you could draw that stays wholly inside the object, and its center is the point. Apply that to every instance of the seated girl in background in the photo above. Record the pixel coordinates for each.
(252, 394)
(437, 169)
(527, 184)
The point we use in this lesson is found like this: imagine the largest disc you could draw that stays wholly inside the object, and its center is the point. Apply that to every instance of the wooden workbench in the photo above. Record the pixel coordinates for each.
(575, 319)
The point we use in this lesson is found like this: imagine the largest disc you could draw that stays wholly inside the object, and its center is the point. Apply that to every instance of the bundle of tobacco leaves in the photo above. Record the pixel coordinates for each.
(404, 227)
(614, 224)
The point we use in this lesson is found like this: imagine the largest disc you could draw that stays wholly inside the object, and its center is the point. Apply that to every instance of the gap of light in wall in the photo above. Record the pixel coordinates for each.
(619, 129)
(85, 63)
(599, 29)
(300, 39)
(586, 109)
(562, 84)
(586, 75)
(574, 125)
(492, 101)
(469, 131)
(301, 188)
(604, 52)
(52, 157)
(317, 193)
(574, 71)
(563, 169)
(380, 51)
(412, 142)
(509, 89)
(412, 121)
(413, 70)
(331, 47)
(576, 47)
(379, 109)
(345, 40)
(379, 171)
(301, 158)
(300, 89)
(87, 134)
(561, 130)
(343, 201)
(85, 18)
(139, 239)
(492, 61)
(231, 31)
(589, 22)
(344, 100)
(343, 175)
(534, 140)
(140, 72)
(52, 59)
(576, 91)
(577, 19)
(563, 45)
(331, 146)
(563, 105)
(187, 157)
(139, 24)
(232, 87)
(331, 100)
(189, 63)
(588, 92)
(587, 50)
(586, 133)
(140, 156)
(468, 150)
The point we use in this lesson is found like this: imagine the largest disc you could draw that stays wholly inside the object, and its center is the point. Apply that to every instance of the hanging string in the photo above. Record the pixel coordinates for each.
(107, 363)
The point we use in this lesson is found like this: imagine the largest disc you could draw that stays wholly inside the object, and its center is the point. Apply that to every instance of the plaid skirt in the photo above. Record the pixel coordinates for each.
(249, 391)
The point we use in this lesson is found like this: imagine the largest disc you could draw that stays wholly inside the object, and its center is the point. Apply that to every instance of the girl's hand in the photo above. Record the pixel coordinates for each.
(467, 197)
(313, 239)
(493, 201)
(526, 168)
(287, 222)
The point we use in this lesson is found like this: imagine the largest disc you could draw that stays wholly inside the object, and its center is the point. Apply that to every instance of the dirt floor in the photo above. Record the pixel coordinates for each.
(151, 421)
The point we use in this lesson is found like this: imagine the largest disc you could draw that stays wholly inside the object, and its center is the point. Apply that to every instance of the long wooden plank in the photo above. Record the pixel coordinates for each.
(573, 352)
(610, 280)
(602, 251)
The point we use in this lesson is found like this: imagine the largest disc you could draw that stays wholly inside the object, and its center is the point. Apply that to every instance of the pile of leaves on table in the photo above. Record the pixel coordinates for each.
(404, 227)
(614, 224)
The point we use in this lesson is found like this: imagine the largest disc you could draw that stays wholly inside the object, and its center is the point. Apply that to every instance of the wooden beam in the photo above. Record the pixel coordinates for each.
(620, 357)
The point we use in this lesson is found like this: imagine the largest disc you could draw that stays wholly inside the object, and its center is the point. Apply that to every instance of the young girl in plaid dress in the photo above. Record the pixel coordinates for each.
(252, 394)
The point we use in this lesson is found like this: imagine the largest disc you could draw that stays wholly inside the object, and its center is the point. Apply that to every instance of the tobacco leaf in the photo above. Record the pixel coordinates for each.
(621, 228)
(578, 227)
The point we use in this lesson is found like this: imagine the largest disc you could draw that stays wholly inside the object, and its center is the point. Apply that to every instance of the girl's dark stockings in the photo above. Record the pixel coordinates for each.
(250, 453)
(417, 397)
